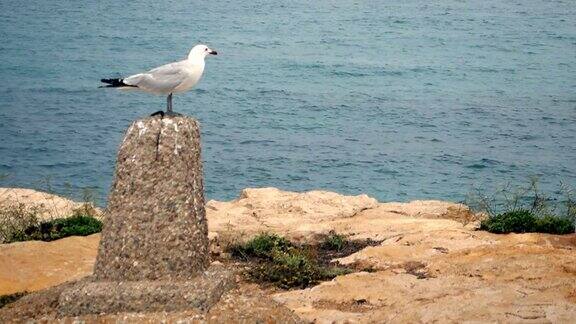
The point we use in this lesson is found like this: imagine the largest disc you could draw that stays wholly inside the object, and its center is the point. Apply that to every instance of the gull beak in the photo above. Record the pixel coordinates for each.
(213, 52)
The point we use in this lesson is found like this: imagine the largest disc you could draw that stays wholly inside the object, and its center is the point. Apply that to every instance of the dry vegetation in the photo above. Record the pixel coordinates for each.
(272, 259)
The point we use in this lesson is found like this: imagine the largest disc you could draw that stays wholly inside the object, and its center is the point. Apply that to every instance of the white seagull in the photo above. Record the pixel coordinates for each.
(167, 79)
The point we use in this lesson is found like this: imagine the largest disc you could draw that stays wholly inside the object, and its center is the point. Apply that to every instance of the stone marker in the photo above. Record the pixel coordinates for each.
(153, 254)
(156, 223)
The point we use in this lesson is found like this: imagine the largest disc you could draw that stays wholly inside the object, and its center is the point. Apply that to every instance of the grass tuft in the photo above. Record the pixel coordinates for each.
(334, 241)
(77, 225)
(525, 221)
(15, 219)
(262, 246)
(20, 223)
(283, 263)
(555, 225)
(526, 210)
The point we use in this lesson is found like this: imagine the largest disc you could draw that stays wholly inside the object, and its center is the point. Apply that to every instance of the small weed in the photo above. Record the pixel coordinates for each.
(287, 269)
(518, 221)
(63, 227)
(526, 210)
(332, 272)
(262, 246)
(20, 223)
(283, 263)
(294, 269)
(334, 241)
(15, 219)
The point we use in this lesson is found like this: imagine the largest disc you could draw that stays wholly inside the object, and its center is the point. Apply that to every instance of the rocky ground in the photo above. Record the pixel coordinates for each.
(48, 205)
(431, 265)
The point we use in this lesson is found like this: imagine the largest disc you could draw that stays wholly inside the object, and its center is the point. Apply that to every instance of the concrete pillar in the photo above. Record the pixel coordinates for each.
(155, 225)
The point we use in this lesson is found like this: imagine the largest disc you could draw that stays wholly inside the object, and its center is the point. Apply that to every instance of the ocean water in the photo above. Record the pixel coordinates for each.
(402, 100)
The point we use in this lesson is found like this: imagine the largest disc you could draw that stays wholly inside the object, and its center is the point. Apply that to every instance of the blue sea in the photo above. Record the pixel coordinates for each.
(400, 100)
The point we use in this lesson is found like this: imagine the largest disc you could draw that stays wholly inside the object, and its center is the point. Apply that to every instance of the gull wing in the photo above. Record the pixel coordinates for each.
(161, 80)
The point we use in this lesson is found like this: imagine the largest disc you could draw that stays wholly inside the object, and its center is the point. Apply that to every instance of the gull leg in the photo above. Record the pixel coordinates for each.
(169, 104)
(169, 111)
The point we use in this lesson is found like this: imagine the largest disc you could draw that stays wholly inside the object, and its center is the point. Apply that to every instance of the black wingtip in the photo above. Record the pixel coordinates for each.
(114, 83)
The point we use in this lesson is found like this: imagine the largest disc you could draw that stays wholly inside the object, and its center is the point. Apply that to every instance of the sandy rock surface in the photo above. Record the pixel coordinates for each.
(35, 265)
(431, 264)
(48, 205)
(295, 215)
(303, 216)
(515, 278)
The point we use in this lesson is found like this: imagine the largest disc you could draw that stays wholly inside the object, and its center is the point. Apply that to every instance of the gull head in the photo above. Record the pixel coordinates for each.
(201, 51)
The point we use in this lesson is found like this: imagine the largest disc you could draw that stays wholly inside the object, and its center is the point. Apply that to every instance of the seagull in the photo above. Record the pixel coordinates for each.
(167, 79)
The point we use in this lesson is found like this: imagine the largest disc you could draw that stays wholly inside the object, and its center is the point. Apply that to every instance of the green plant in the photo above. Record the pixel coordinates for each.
(15, 219)
(518, 221)
(23, 225)
(526, 209)
(287, 269)
(295, 268)
(332, 272)
(525, 221)
(334, 241)
(19, 222)
(510, 198)
(283, 263)
(262, 246)
(554, 225)
(63, 227)
(22, 222)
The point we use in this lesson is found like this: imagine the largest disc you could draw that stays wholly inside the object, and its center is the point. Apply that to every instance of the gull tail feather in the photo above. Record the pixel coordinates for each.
(115, 83)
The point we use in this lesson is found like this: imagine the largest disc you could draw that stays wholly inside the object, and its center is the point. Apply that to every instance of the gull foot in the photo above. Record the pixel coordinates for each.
(160, 112)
